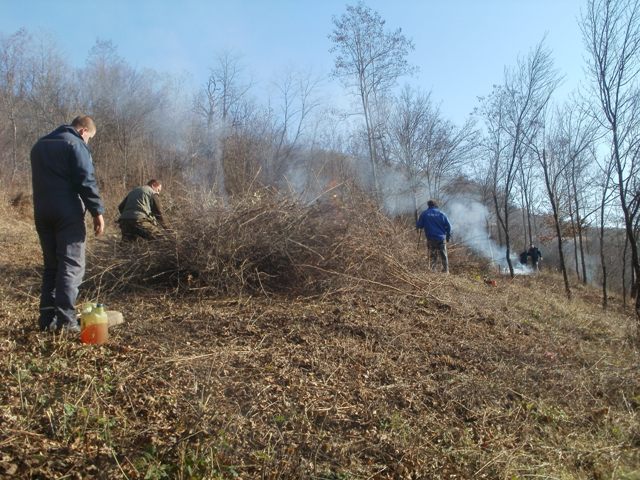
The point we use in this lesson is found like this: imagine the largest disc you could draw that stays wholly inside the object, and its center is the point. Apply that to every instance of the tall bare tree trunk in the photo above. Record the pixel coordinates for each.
(556, 221)
(624, 272)
(575, 241)
(14, 151)
(498, 224)
(529, 223)
(524, 227)
(603, 263)
(585, 279)
(371, 144)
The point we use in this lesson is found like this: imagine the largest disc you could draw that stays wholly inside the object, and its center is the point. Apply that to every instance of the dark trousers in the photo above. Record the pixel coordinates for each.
(438, 251)
(63, 250)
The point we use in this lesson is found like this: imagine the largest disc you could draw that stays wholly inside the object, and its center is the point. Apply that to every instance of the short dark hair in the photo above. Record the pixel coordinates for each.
(154, 182)
(84, 121)
(432, 204)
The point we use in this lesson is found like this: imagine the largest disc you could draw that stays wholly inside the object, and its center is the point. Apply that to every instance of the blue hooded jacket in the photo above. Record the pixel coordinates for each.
(62, 175)
(435, 223)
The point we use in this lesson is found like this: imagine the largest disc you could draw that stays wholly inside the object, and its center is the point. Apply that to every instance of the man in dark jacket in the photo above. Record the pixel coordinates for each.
(536, 255)
(437, 230)
(64, 187)
(141, 213)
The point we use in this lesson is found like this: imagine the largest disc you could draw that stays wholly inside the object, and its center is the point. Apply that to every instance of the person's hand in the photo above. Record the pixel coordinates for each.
(98, 225)
(448, 238)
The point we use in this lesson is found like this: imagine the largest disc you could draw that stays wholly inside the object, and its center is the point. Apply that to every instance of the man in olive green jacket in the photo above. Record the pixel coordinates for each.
(140, 212)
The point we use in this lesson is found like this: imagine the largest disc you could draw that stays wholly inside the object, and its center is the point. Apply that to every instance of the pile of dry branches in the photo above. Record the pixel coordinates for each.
(267, 243)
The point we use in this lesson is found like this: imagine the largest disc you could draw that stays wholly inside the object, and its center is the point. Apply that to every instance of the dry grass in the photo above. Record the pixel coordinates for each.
(381, 371)
(263, 244)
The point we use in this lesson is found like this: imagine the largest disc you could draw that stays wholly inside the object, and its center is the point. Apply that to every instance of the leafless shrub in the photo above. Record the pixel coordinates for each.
(264, 242)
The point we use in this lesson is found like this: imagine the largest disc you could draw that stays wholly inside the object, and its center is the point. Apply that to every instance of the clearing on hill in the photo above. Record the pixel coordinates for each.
(385, 372)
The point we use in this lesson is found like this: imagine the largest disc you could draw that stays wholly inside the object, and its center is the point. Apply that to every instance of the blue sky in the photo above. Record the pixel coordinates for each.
(461, 46)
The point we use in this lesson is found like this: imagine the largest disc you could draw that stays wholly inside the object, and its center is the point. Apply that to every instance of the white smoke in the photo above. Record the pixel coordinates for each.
(592, 262)
(469, 221)
(396, 195)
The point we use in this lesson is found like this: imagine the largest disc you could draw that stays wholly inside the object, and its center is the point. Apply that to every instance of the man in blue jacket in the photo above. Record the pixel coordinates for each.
(437, 230)
(64, 187)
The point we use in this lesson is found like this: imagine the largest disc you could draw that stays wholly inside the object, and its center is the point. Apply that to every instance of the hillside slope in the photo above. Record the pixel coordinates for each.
(441, 377)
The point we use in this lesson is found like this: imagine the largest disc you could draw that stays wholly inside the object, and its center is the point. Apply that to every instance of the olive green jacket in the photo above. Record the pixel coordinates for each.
(142, 203)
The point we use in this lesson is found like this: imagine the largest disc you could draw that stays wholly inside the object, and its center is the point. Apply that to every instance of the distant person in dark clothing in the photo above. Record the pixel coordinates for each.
(141, 213)
(437, 230)
(523, 257)
(64, 187)
(536, 255)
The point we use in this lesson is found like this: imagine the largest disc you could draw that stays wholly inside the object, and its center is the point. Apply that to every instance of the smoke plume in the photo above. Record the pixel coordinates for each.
(470, 219)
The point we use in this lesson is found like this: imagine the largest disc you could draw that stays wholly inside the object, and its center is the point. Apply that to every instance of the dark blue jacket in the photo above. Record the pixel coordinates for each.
(62, 175)
(535, 254)
(435, 223)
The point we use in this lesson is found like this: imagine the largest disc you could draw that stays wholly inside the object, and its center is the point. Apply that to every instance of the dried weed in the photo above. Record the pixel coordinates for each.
(380, 370)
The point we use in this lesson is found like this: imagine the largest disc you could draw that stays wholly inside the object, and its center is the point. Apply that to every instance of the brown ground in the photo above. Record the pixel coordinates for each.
(441, 377)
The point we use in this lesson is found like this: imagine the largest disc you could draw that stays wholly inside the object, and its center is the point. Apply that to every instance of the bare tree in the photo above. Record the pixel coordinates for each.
(409, 131)
(552, 154)
(579, 131)
(220, 104)
(13, 86)
(526, 184)
(428, 148)
(611, 31)
(495, 145)
(605, 196)
(369, 60)
(226, 87)
(449, 150)
(124, 101)
(296, 100)
(52, 95)
(525, 94)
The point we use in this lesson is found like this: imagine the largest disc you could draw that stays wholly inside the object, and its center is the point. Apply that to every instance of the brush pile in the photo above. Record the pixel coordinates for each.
(263, 243)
